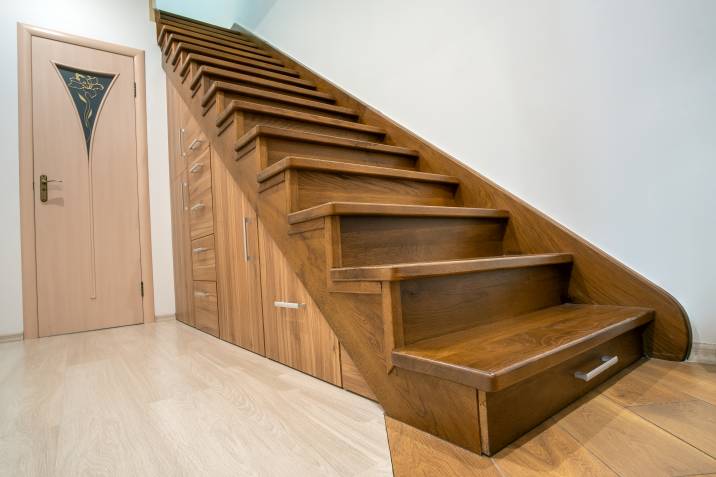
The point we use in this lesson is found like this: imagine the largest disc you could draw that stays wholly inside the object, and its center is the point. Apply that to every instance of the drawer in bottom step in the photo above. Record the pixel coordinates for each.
(206, 307)
(507, 414)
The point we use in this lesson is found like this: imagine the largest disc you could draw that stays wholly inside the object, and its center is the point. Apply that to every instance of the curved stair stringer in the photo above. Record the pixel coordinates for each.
(597, 277)
(437, 406)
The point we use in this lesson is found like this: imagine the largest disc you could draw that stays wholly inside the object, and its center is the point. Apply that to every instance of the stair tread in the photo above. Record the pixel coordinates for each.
(277, 132)
(310, 163)
(237, 105)
(174, 37)
(244, 69)
(278, 97)
(216, 34)
(495, 355)
(283, 87)
(185, 46)
(171, 17)
(396, 210)
(241, 45)
(406, 271)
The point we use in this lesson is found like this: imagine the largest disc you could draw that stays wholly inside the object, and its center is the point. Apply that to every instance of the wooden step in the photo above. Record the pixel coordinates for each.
(205, 76)
(175, 38)
(181, 49)
(410, 271)
(317, 180)
(373, 234)
(499, 354)
(249, 114)
(282, 142)
(167, 30)
(233, 36)
(194, 61)
(241, 93)
(182, 21)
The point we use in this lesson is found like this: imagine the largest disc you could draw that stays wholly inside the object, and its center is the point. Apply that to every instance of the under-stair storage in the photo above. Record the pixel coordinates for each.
(352, 250)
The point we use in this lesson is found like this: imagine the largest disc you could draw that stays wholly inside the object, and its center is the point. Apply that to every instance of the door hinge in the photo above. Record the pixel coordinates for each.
(135, 89)
(141, 288)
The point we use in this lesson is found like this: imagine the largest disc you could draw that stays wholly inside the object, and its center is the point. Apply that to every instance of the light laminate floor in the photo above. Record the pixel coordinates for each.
(166, 400)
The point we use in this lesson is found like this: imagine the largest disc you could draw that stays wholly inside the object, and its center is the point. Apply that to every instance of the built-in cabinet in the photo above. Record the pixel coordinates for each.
(231, 280)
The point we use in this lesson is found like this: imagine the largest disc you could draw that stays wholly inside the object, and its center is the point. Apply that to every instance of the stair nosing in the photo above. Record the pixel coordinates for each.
(284, 88)
(408, 271)
(394, 210)
(237, 58)
(173, 37)
(226, 116)
(284, 98)
(489, 380)
(291, 80)
(317, 138)
(239, 45)
(338, 167)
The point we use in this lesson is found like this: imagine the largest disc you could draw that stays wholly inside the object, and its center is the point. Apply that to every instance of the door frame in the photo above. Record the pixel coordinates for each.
(25, 33)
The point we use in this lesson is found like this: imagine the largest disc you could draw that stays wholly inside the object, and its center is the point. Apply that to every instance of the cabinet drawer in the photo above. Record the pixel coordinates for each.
(199, 169)
(206, 310)
(507, 414)
(192, 140)
(203, 258)
(201, 214)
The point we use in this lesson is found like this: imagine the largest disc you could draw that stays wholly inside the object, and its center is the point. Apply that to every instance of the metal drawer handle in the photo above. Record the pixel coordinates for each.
(200, 294)
(607, 362)
(195, 144)
(197, 207)
(196, 167)
(200, 250)
(247, 257)
(287, 304)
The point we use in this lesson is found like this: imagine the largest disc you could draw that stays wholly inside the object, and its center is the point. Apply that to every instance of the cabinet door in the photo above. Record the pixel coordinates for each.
(181, 244)
(175, 131)
(237, 262)
(297, 334)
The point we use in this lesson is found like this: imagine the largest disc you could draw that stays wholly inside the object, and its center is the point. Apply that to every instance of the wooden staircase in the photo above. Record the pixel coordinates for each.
(470, 315)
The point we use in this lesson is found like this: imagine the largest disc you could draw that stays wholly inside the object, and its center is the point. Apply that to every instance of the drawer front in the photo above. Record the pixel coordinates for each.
(192, 140)
(206, 309)
(201, 213)
(199, 169)
(203, 258)
(505, 415)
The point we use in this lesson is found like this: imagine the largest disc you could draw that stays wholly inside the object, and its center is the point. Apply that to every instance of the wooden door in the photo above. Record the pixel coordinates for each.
(297, 334)
(87, 227)
(237, 262)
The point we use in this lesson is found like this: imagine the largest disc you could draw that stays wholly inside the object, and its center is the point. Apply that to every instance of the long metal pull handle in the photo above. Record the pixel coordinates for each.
(288, 304)
(196, 207)
(607, 362)
(246, 239)
(196, 167)
(183, 196)
(43, 186)
(181, 141)
(195, 144)
(200, 250)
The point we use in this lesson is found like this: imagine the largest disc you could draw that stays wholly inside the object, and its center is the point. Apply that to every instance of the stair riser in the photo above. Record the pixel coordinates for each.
(315, 188)
(506, 415)
(210, 30)
(366, 240)
(440, 305)
(212, 39)
(228, 96)
(210, 33)
(277, 148)
(207, 79)
(189, 71)
(173, 39)
(244, 121)
(181, 50)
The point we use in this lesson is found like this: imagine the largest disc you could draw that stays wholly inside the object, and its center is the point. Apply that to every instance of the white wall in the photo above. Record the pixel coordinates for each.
(124, 22)
(601, 113)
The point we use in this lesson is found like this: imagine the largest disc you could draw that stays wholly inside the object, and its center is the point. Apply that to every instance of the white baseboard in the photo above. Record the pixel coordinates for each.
(10, 338)
(703, 353)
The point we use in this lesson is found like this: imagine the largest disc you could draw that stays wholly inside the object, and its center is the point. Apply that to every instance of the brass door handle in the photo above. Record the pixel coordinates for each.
(43, 186)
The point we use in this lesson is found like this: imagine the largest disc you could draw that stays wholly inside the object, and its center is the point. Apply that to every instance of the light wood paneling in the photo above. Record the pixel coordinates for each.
(352, 379)
(300, 338)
